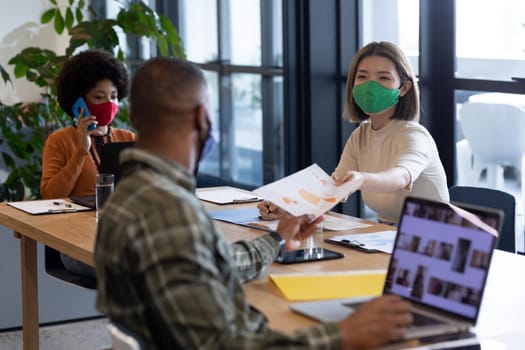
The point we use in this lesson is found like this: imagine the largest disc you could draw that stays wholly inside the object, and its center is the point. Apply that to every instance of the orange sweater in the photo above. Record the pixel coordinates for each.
(68, 170)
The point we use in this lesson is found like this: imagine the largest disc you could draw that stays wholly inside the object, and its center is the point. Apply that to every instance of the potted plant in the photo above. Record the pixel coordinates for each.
(25, 126)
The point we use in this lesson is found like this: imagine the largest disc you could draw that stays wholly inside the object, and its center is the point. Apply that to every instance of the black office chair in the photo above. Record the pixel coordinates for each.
(54, 267)
(491, 198)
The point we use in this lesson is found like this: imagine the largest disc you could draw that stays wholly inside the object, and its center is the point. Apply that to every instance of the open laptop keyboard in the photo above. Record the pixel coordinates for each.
(419, 319)
(423, 320)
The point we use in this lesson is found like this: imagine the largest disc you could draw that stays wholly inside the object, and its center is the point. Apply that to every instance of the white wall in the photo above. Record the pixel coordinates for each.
(58, 301)
(19, 28)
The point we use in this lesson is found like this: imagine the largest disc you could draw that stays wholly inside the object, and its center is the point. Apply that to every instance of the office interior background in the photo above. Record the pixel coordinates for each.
(277, 69)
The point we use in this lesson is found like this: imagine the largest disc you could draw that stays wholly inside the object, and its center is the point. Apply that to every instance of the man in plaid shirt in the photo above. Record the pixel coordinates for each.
(166, 272)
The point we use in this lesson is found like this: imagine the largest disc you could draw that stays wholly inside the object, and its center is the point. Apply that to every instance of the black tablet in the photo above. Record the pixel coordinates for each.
(307, 255)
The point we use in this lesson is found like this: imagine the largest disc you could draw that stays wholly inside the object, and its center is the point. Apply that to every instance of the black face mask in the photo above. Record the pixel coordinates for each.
(207, 144)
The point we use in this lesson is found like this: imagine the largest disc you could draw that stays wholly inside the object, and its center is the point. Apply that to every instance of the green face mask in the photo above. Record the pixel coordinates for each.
(373, 97)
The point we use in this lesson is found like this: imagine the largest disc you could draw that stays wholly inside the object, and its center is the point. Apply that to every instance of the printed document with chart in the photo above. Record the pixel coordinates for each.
(309, 191)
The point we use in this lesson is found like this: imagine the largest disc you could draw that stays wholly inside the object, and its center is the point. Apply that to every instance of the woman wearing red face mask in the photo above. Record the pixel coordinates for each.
(71, 156)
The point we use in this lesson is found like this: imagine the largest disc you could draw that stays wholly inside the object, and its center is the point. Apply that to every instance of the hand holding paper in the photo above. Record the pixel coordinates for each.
(309, 191)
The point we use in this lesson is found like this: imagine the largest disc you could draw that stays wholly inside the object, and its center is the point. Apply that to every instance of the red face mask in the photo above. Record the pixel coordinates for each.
(104, 112)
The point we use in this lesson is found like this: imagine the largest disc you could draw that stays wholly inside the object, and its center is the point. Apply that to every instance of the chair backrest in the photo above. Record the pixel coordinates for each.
(495, 131)
(123, 339)
(54, 267)
(491, 198)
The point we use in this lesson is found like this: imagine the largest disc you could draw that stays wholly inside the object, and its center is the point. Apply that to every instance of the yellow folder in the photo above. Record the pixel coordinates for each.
(329, 285)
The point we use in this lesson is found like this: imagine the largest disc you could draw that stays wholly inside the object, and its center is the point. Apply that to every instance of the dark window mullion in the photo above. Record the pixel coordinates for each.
(490, 85)
(226, 109)
(231, 68)
(271, 151)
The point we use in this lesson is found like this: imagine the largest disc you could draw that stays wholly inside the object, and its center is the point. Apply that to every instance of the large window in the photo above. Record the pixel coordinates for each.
(489, 99)
(491, 43)
(393, 20)
(238, 43)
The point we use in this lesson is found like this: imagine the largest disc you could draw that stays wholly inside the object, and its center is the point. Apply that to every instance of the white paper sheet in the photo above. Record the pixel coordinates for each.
(309, 191)
(336, 223)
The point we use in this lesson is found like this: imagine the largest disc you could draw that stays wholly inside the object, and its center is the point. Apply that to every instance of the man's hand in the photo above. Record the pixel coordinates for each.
(377, 322)
(295, 229)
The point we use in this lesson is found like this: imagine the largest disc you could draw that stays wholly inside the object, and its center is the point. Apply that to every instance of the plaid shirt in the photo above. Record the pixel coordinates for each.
(167, 274)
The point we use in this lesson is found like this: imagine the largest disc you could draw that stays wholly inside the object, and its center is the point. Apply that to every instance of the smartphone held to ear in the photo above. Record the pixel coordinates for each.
(80, 105)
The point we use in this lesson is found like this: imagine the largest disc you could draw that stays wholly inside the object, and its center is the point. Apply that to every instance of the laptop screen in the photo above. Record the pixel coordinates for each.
(441, 258)
(109, 159)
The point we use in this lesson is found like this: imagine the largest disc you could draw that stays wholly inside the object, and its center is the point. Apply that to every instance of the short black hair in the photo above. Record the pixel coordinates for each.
(83, 71)
(163, 88)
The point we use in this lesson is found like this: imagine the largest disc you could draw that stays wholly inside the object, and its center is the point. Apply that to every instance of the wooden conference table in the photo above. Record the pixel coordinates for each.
(501, 318)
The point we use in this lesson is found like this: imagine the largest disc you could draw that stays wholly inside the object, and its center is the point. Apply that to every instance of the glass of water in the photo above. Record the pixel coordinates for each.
(105, 185)
(313, 245)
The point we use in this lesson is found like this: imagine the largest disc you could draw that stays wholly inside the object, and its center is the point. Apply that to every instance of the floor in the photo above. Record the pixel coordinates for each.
(81, 335)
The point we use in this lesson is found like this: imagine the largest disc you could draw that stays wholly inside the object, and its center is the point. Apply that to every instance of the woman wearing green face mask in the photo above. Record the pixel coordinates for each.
(390, 153)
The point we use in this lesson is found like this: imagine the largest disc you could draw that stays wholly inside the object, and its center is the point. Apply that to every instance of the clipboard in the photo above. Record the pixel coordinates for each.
(48, 206)
(227, 195)
(378, 242)
(244, 217)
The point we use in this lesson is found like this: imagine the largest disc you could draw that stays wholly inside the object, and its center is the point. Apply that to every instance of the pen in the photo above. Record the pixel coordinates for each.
(267, 216)
(246, 200)
(67, 205)
(267, 205)
(353, 243)
(357, 245)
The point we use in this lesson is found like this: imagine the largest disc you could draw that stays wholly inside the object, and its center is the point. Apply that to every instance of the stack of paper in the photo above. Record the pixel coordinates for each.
(329, 285)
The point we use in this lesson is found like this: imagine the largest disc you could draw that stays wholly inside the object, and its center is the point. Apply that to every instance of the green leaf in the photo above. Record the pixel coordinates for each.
(5, 75)
(120, 54)
(54, 2)
(163, 45)
(41, 82)
(173, 37)
(21, 70)
(69, 18)
(59, 23)
(79, 14)
(31, 76)
(71, 2)
(8, 160)
(47, 16)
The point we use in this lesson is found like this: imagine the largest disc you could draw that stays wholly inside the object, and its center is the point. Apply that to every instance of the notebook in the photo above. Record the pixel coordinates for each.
(109, 158)
(439, 263)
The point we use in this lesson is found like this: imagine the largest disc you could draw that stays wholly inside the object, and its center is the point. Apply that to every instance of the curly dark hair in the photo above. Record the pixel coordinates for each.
(83, 71)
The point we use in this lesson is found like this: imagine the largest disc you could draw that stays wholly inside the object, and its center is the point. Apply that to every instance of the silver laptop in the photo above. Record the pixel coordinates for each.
(439, 264)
